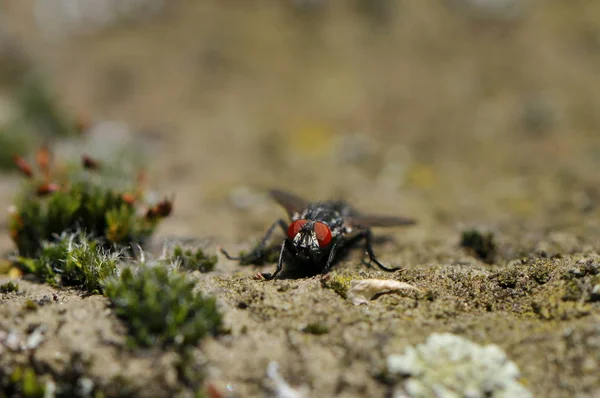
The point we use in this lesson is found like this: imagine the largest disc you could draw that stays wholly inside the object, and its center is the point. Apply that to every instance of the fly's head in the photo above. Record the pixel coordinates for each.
(309, 238)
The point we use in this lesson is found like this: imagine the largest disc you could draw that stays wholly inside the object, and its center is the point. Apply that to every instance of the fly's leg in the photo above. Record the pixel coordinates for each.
(330, 259)
(268, 276)
(257, 252)
(372, 258)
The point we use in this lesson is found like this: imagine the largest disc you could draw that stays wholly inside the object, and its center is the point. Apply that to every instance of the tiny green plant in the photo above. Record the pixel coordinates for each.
(53, 203)
(73, 260)
(193, 260)
(23, 382)
(160, 307)
(29, 380)
(316, 328)
(9, 287)
(582, 283)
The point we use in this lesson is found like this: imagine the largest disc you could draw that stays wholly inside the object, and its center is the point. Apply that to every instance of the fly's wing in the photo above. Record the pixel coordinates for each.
(290, 202)
(372, 220)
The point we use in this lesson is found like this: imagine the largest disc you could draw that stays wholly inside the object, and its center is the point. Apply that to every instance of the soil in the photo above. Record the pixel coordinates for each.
(459, 119)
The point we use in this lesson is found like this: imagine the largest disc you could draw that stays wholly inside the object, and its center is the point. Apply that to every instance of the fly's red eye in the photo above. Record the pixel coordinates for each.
(295, 227)
(323, 234)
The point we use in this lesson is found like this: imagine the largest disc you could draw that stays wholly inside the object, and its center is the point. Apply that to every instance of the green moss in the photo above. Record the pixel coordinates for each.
(9, 287)
(23, 382)
(72, 381)
(73, 260)
(338, 283)
(480, 244)
(582, 269)
(97, 202)
(100, 212)
(582, 283)
(554, 308)
(30, 305)
(507, 278)
(572, 291)
(160, 307)
(193, 259)
(541, 271)
(316, 328)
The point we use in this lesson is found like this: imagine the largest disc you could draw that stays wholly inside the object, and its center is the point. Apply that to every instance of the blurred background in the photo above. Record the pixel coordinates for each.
(452, 111)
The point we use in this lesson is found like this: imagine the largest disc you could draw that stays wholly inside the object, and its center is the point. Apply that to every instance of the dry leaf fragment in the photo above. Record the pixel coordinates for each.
(361, 291)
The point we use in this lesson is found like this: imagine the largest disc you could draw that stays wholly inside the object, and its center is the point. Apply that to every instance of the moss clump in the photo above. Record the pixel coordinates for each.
(338, 283)
(71, 202)
(160, 307)
(507, 278)
(9, 287)
(480, 244)
(73, 260)
(572, 291)
(316, 328)
(193, 260)
(525, 275)
(583, 269)
(553, 308)
(540, 272)
(582, 283)
(73, 380)
(100, 212)
(23, 382)
(30, 305)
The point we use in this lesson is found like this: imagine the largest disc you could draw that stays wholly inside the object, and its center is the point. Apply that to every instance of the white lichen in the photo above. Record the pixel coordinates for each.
(449, 366)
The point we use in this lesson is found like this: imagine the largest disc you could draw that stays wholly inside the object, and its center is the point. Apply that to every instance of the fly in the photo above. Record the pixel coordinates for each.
(318, 232)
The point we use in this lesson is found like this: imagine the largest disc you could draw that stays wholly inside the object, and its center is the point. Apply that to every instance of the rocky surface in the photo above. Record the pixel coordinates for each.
(460, 120)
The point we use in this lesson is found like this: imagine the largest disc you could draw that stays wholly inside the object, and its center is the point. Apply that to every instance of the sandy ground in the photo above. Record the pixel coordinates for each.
(456, 119)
